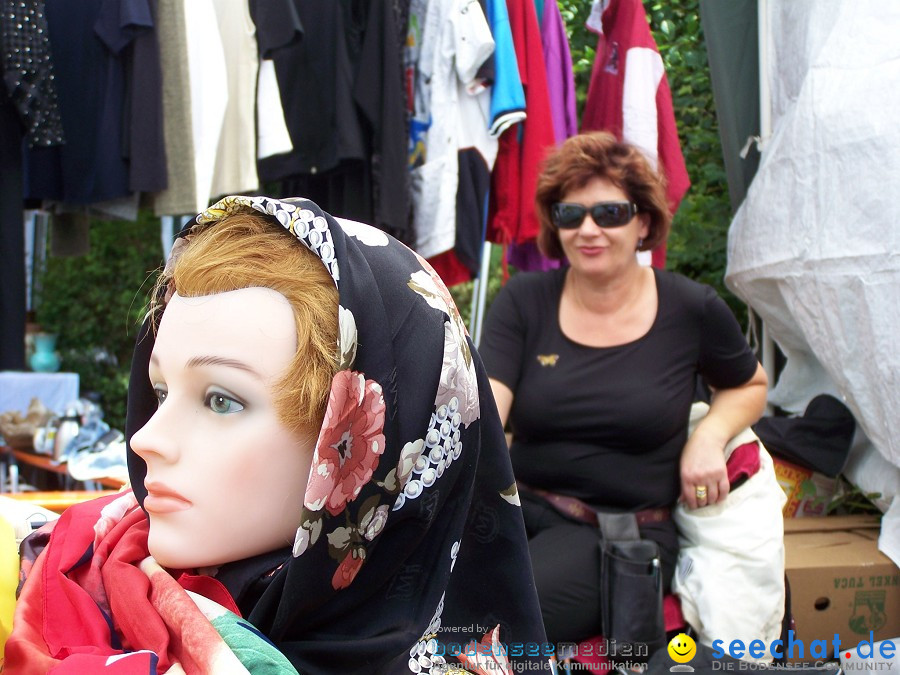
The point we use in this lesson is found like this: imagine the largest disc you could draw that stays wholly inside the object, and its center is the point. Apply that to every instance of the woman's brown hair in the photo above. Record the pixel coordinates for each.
(245, 250)
(598, 154)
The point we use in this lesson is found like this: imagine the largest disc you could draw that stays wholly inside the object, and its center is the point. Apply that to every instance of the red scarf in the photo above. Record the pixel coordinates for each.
(94, 593)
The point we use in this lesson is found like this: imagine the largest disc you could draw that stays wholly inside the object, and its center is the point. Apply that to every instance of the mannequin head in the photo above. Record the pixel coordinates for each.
(348, 540)
(242, 365)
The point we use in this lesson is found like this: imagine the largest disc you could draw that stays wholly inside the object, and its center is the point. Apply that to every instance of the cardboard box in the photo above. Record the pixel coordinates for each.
(808, 493)
(840, 582)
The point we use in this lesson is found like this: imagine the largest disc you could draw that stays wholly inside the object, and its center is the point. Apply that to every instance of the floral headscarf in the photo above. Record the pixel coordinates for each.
(411, 545)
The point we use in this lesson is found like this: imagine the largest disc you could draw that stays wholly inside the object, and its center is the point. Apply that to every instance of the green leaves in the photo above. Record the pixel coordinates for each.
(95, 304)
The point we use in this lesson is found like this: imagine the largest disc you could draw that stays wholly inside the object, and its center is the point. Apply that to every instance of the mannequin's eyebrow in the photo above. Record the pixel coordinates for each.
(199, 361)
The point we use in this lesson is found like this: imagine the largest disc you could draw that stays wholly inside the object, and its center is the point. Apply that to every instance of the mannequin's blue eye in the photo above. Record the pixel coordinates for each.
(221, 404)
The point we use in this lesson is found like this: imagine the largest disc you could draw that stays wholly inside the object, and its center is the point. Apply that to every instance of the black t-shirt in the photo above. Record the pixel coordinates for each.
(344, 106)
(608, 424)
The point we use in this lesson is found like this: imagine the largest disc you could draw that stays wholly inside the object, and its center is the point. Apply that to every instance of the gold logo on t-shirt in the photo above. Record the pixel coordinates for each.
(547, 359)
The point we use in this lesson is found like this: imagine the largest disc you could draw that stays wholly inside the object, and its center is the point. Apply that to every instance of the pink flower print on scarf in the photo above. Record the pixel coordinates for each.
(350, 444)
(488, 657)
(348, 569)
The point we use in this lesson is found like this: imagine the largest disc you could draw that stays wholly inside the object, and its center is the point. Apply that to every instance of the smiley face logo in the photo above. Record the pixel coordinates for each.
(682, 648)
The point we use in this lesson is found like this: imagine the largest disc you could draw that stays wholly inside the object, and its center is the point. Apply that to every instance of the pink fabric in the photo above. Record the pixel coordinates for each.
(673, 619)
(743, 462)
(560, 75)
(527, 257)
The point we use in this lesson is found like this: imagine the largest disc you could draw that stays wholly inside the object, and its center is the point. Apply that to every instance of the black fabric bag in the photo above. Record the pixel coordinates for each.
(820, 439)
(630, 586)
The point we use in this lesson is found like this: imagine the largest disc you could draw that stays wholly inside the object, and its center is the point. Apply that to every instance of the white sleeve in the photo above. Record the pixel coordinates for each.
(643, 72)
(473, 40)
(273, 137)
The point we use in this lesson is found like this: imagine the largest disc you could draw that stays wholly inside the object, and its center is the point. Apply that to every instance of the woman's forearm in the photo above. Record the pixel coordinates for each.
(735, 409)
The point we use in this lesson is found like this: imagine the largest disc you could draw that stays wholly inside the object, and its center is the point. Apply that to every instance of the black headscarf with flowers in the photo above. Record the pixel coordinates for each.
(411, 545)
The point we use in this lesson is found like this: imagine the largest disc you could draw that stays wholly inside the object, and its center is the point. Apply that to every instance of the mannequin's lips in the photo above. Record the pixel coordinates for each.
(163, 499)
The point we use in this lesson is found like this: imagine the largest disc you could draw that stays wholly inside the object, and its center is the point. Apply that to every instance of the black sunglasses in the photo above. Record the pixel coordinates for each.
(606, 214)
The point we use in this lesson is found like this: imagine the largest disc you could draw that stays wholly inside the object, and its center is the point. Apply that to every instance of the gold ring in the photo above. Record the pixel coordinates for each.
(701, 492)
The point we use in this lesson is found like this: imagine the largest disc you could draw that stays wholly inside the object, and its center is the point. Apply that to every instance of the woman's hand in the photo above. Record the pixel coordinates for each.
(703, 457)
(704, 478)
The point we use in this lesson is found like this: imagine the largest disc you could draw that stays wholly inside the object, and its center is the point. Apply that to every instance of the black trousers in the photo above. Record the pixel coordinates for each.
(565, 557)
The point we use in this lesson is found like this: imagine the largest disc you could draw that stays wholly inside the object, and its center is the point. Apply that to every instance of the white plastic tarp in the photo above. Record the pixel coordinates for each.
(815, 247)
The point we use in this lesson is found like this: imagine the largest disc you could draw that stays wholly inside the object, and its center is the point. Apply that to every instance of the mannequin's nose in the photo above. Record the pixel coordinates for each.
(157, 437)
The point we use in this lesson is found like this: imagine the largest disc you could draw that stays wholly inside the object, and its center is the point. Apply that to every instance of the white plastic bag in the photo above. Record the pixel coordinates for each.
(730, 571)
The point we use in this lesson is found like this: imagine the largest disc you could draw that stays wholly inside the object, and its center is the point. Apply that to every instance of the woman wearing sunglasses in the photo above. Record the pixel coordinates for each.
(595, 367)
